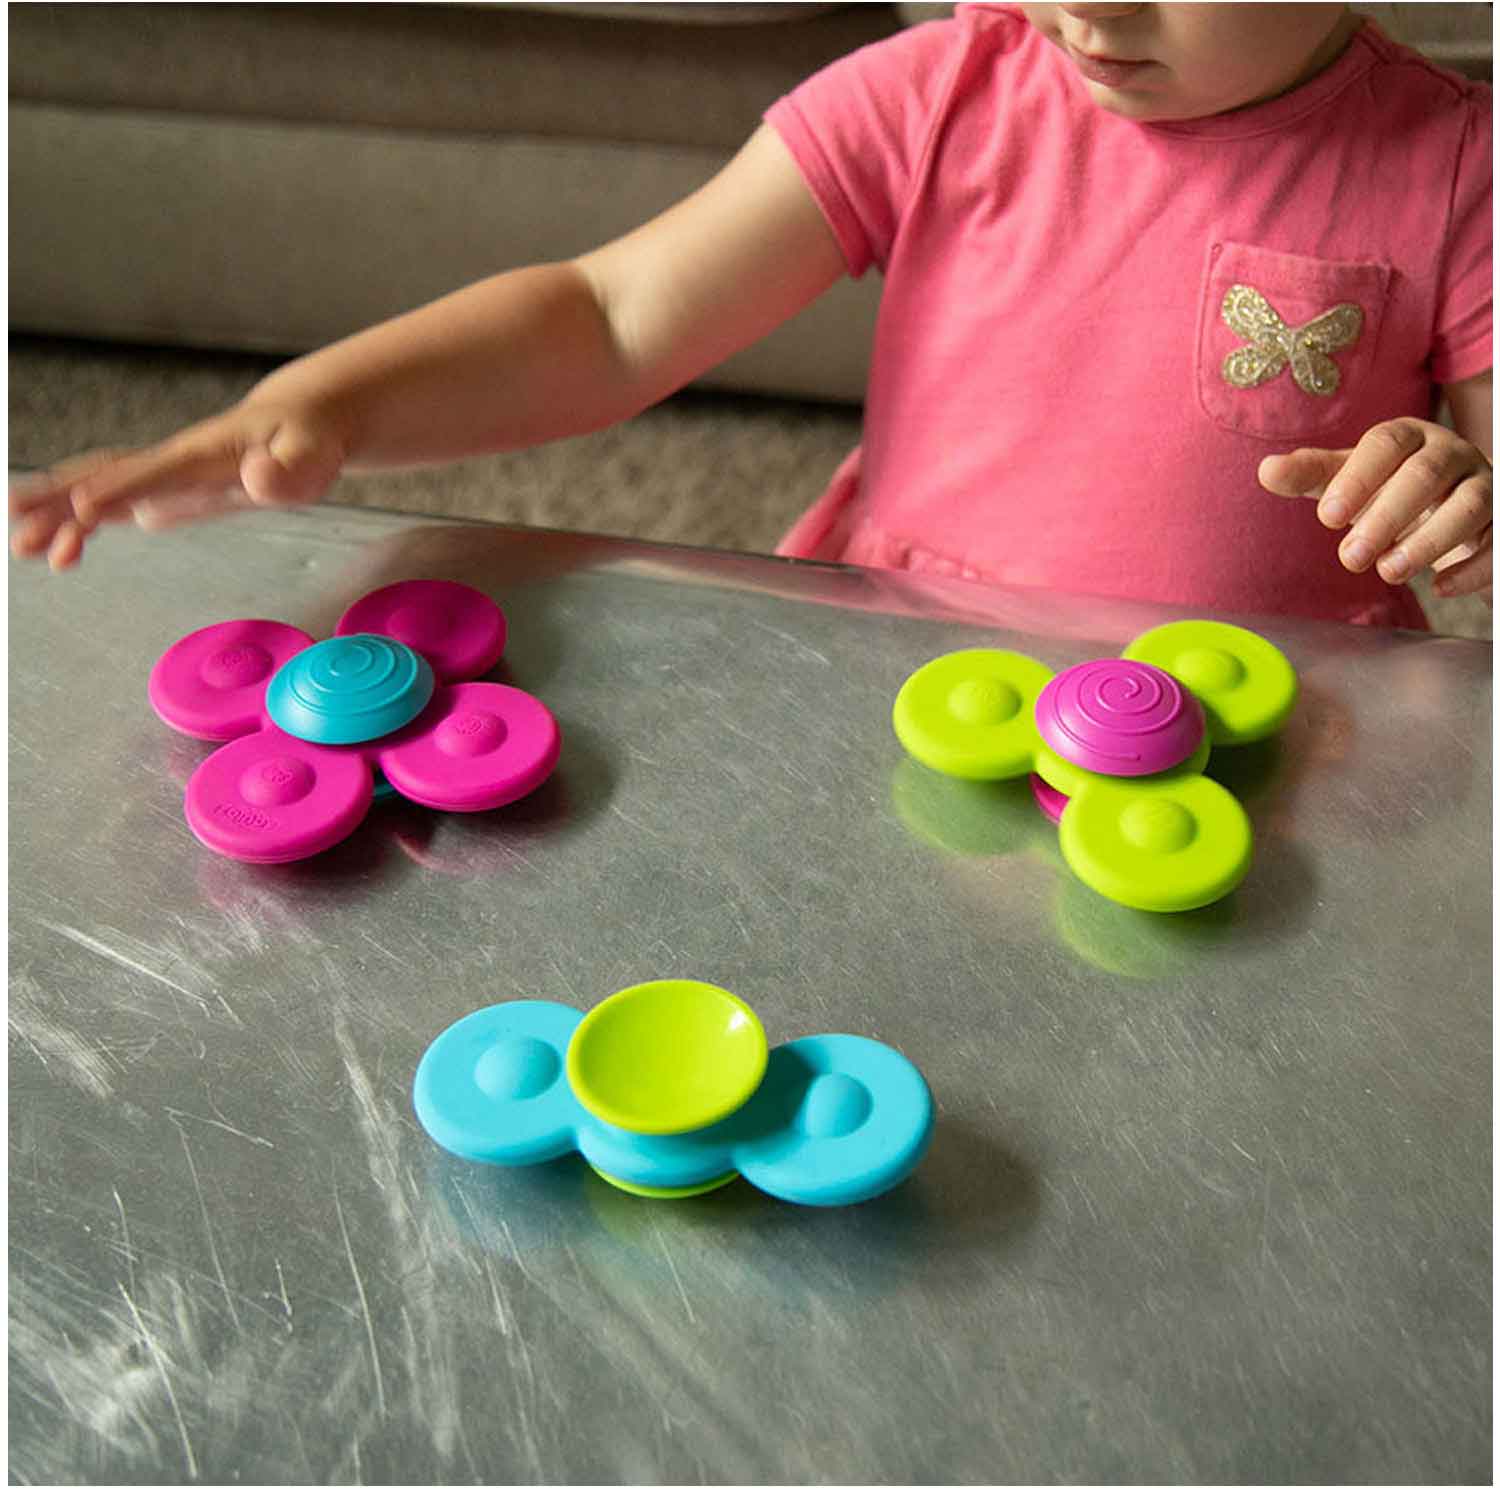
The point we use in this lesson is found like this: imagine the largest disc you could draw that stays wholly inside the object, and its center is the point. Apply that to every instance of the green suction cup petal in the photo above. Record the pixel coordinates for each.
(1246, 685)
(1175, 845)
(972, 714)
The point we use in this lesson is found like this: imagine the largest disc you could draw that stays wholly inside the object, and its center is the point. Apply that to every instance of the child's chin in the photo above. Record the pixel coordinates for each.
(1131, 106)
(1148, 109)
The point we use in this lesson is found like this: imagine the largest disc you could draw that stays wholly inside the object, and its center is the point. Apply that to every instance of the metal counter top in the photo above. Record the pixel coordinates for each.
(1208, 1198)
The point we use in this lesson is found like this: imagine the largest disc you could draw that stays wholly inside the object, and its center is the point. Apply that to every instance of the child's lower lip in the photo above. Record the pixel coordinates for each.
(1110, 73)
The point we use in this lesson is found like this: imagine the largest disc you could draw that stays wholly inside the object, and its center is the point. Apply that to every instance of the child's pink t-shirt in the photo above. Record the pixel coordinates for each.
(1052, 400)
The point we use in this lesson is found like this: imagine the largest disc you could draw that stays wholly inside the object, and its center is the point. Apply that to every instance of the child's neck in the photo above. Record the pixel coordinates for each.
(1329, 50)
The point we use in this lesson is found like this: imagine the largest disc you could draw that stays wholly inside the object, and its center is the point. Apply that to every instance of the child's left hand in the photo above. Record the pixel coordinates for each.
(1417, 494)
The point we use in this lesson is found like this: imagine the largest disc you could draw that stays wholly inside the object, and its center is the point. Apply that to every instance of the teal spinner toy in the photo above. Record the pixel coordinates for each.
(668, 1090)
(1115, 749)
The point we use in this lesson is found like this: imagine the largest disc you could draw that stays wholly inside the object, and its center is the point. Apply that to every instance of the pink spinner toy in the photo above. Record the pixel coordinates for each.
(311, 725)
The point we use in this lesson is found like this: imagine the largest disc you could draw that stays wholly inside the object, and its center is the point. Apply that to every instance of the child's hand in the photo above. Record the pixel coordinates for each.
(251, 455)
(1417, 494)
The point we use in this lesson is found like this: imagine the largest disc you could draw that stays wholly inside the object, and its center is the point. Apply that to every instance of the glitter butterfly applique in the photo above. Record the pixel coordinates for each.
(1273, 346)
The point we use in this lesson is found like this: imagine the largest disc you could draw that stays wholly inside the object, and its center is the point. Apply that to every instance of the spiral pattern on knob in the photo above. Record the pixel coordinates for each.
(1121, 718)
(350, 689)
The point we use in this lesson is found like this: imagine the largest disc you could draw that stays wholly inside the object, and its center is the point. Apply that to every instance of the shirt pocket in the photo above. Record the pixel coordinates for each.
(1286, 343)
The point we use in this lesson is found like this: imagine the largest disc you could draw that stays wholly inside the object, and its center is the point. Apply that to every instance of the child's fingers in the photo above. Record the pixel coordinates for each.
(1472, 576)
(294, 467)
(66, 547)
(174, 468)
(1459, 520)
(162, 513)
(1386, 450)
(1440, 475)
(230, 462)
(1461, 553)
(34, 494)
(1301, 474)
(53, 485)
(38, 525)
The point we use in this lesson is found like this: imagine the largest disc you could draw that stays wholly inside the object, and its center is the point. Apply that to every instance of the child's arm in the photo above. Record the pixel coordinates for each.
(1417, 494)
(524, 357)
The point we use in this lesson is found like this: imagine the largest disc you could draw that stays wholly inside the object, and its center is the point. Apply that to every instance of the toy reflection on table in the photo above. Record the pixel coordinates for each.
(667, 1090)
(318, 730)
(1115, 750)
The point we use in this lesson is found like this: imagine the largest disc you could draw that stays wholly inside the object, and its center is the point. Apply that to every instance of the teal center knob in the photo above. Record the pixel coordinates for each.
(349, 689)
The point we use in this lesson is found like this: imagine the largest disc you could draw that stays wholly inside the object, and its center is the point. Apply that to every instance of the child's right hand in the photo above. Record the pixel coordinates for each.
(254, 454)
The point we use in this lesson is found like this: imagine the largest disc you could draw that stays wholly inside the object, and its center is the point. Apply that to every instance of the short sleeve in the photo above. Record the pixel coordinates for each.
(859, 128)
(1462, 331)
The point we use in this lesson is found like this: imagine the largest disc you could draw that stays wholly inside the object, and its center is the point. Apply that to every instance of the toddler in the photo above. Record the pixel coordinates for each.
(1171, 292)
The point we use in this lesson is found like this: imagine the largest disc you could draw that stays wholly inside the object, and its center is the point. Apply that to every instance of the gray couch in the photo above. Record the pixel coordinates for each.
(270, 177)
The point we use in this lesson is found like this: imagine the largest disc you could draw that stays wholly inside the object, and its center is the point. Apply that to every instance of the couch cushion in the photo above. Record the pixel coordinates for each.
(257, 235)
(673, 13)
(466, 68)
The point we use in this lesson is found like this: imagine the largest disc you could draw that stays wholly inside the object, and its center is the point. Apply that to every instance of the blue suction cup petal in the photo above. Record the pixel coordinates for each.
(492, 1086)
(350, 689)
(658, 1161)
(836, 1120)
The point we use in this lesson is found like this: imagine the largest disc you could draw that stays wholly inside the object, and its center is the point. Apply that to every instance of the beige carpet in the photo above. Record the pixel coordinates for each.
(704, 469)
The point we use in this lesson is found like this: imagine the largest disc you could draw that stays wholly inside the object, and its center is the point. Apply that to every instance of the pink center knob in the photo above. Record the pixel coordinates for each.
(1120, 718)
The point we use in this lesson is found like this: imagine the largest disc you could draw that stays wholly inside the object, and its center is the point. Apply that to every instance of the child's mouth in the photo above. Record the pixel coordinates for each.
(1111, 72)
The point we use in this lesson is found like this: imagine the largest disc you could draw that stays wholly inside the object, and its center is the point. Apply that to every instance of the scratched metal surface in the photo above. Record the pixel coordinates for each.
(1208, 1198)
